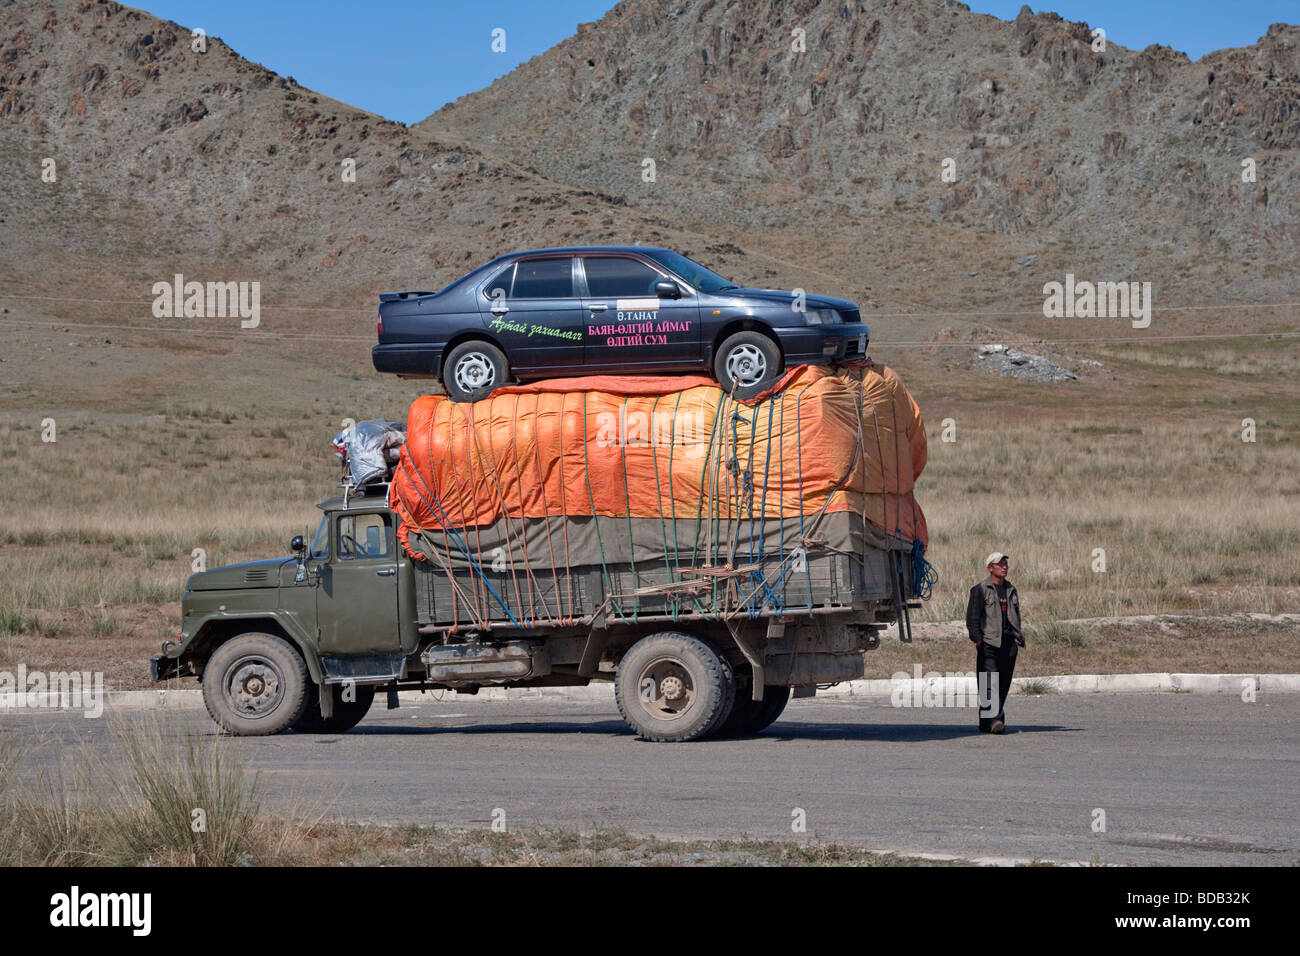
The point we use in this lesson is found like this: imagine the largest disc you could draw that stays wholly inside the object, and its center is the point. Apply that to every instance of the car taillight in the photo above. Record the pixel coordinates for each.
(379, 325)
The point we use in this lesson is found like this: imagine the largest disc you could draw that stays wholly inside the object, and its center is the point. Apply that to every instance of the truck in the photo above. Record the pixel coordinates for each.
(705, 625)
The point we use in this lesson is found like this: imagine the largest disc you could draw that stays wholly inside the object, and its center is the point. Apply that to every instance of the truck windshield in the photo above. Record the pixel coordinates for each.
(320, 543)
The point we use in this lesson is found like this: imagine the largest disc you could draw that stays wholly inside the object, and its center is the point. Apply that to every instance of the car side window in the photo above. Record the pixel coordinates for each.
(499, 288)
(363, 536)
(543, 279)
(616, 276)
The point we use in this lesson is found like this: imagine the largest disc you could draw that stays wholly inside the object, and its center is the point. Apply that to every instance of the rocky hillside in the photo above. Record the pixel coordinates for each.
(819, 169)
(1135, 156)
(170, 160)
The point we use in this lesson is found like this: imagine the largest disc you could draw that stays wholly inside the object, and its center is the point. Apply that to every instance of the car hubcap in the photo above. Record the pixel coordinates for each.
(746, 365)
(474, 371)
(254, 687)
(666, 689)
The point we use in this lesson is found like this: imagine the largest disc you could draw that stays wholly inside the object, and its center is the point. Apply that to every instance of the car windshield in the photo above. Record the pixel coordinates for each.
(320, 543)
(701, 278)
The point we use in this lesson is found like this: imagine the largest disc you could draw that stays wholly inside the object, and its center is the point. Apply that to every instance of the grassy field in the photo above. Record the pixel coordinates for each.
(163, 448)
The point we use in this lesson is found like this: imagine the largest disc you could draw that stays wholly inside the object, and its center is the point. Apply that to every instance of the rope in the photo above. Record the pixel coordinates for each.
(924, 574)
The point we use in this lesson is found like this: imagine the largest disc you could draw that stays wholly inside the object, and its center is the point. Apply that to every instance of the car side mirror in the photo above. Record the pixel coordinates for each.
(667, 289)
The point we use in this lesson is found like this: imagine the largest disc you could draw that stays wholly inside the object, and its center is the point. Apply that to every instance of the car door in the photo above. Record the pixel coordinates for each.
(533, 310)
(629, 326)
(356, 597)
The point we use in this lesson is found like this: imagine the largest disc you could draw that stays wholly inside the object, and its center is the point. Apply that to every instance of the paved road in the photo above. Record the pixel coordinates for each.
(1182, 778)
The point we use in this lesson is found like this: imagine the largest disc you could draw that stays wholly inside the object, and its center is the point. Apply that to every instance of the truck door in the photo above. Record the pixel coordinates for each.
(356, 602)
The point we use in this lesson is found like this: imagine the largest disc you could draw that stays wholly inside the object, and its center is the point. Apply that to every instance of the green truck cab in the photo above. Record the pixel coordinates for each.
(266, 637)
(305, 642)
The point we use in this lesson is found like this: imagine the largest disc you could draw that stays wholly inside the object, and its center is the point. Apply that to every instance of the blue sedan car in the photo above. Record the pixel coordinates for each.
(601, 309)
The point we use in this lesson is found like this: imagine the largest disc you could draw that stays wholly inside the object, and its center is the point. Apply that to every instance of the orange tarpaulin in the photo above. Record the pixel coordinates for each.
(822, 439)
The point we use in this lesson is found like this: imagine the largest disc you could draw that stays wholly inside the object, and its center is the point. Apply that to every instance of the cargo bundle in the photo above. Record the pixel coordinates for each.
(651, 498)
(369, 451)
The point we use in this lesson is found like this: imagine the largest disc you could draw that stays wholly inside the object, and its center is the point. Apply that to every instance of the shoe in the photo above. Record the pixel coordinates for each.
(997, 727)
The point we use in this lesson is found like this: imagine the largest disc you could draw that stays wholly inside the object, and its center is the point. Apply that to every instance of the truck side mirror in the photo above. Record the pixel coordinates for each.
(667, 289)
(298, 545)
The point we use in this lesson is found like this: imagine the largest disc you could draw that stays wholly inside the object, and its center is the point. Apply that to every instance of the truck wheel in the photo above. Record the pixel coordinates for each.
(347, 714)
(255, 684)
(673, 687)
(750, 716)
(749, 361)
(472, 370)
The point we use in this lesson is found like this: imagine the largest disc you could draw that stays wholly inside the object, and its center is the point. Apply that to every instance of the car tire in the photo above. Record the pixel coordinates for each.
(749, 716)
(255, 685)
(671, 687)
(472, 370)
(747, 364)
(347, 714)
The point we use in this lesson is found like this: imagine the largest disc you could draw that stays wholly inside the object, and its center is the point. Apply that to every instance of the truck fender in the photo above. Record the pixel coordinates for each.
(217, 629)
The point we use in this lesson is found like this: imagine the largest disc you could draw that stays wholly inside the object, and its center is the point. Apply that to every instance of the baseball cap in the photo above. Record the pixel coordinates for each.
(997, 557)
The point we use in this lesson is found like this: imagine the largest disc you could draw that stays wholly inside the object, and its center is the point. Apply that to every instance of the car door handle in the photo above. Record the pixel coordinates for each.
(386, 572)
(598, 306)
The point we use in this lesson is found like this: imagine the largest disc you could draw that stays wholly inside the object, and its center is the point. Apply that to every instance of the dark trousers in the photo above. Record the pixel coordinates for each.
(994, 664)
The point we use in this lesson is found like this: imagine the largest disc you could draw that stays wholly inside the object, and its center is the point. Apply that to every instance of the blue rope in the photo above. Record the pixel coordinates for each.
(924, 575)
(463, 545)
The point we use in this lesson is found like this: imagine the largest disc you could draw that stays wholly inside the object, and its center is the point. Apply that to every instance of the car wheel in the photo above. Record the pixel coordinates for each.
(255, 685)
(747, 364)
(473, 370)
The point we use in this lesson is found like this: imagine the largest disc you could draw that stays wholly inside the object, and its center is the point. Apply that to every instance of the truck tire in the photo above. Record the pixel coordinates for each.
(749, 361)
(472, 370)
(672, 687)
(347, 714)
(749, 716)
(255, 685)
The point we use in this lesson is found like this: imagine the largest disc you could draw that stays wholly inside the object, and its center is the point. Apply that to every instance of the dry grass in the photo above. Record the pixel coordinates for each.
(1190, 517)
(1180, 644)
(162, 800)
(229, 452)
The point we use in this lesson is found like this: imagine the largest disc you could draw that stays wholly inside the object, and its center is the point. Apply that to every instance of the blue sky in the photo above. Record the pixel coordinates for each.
(405, 58)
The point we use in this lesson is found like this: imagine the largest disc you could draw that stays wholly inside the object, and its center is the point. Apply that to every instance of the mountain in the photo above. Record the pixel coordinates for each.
(169, 160)
(819, 169)
(1130, 161)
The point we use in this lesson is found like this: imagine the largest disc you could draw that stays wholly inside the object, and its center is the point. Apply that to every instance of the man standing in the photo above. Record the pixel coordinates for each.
(993, 624)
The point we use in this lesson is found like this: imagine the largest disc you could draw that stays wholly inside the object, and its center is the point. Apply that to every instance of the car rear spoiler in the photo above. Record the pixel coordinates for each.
(396, 296)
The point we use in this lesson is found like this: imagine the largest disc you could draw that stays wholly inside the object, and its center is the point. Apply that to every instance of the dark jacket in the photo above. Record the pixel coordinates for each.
(984, 614)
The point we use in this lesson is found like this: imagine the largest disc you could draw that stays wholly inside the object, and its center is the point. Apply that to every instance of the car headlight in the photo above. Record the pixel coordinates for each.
(823, 317)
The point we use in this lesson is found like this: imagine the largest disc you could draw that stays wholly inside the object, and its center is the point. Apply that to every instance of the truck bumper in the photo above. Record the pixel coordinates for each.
(163, 667)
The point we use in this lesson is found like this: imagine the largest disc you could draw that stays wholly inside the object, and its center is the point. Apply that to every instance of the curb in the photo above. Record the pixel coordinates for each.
(911, 687)
(1076, 684)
